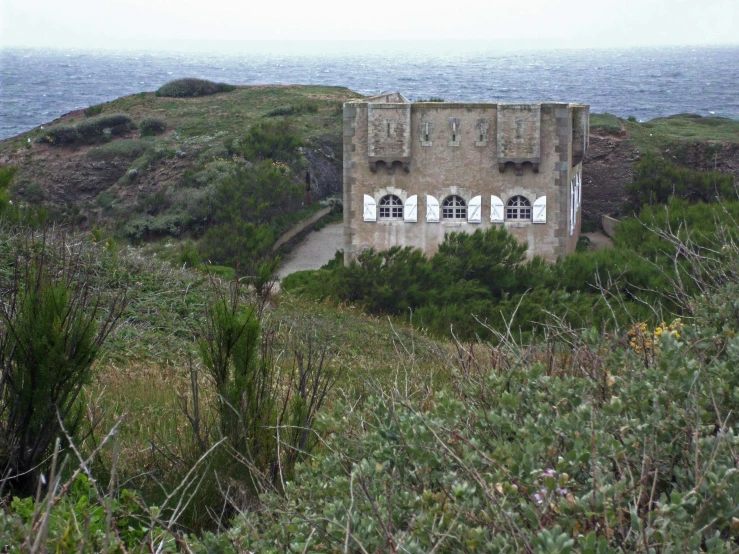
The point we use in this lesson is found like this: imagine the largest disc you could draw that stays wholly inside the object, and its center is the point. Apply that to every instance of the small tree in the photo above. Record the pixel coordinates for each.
(51, 329)
(255, 398)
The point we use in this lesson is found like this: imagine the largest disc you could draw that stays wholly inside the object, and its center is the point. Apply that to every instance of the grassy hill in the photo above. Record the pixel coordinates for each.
(132, 173)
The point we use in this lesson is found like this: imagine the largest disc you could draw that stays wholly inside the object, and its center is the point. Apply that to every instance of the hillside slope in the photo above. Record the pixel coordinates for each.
(701, 143)
(113, 180)
(112, 183)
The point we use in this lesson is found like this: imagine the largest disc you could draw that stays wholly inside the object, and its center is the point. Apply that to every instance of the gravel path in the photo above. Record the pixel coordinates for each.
(316, 250)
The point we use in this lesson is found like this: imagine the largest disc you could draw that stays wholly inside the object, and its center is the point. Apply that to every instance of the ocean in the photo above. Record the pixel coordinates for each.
(37, 85)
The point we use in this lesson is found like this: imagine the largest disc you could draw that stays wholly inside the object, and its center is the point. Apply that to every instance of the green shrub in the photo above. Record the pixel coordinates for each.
(7, 173)
(189, 256)
(188, 88)
(98, 127)
(148, 227)
(222, 271)
(94, 110)
(150, 126)
(300, 108)
(257, 193)
(59, 135)
(605, 122)
(607, 454)
(105, 200)
(431, 99)
(254, 400)
(271, 140)
(657, 179)
(51, 329)
(128, 149)
(94, 129)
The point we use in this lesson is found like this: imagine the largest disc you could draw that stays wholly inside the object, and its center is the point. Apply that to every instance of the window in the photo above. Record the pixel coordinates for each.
(519, 209)
(453, 207)
(391, 207)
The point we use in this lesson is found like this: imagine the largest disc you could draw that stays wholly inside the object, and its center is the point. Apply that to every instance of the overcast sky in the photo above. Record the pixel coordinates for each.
(126, 24)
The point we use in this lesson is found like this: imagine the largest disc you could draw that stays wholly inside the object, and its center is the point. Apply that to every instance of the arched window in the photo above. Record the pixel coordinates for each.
(391, 207)
(453, 207)
(518, 209)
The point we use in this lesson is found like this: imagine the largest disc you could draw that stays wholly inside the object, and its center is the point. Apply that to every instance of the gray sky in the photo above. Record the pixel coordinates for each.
(123, 24)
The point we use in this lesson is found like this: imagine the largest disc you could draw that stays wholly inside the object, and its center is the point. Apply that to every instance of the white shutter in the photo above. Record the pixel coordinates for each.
(540, 210)
(579, 189)
(572, 207)
(474, 212)
(370, 208)
(410, 210)
(432, 209)
(497, 210)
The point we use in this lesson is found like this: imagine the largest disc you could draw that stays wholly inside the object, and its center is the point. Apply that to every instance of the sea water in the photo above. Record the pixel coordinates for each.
(38, 85)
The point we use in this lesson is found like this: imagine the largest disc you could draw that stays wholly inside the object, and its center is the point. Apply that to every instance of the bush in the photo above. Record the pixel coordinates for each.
(7, 173)
(94, 110)
(89, 131)
(271, 140)
(128, 149)
(294, 109)
(188, 88)
(603, 454)
(51, 329)
(60, 135)
(254, 399)
(189, 256)
(657, 179)
(148, 227)
(151, 126)
(97, 128)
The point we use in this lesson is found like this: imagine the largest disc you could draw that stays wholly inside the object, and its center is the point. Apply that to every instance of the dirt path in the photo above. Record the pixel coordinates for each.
(598, 240)
(316, 250)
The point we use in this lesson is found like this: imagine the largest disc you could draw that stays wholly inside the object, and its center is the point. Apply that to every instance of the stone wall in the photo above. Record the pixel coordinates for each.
(468, 150)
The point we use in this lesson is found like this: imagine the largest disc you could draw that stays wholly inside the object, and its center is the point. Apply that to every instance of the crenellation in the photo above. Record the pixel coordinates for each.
(448, 163)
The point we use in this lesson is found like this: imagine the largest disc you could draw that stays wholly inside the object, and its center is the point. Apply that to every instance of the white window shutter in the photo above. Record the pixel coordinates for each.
(410, 210)
(540, 210)
(497, 210)
(370, 208)
(579, 189)
(572, 207)
(432, 209)
(474, 212)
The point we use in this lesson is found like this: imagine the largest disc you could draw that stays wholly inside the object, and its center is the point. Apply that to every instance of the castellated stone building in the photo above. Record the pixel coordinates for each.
(416, 171)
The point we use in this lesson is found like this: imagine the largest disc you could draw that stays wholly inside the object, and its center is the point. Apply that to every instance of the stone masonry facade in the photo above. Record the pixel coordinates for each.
(416, 171)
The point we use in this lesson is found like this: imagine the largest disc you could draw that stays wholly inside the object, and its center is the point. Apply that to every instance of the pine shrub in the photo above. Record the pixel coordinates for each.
(189, 88)
(151, 126)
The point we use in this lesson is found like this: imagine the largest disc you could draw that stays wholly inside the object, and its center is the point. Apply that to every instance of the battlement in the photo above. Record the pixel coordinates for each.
(516, 129)
(479, 156)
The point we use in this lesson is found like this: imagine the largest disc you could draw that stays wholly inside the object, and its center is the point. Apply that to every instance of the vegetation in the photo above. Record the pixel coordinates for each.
(605, 122)
(127, 149)
(581, 441)
(669, 135)
(485, 277)
(93, 110)
(94, 129)
(49, 338)
(307, 107)
(189, 88)
(562, 407)
(151, 126)
(657, 179)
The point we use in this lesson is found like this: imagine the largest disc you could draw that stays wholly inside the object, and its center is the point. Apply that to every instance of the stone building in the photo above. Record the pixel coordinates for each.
(416, 171)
